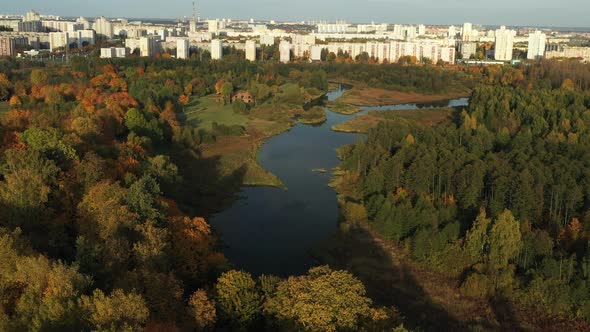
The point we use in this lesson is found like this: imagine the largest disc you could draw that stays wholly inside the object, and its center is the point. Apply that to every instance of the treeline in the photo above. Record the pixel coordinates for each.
(500, 198)
(420, 79)
(96, 169)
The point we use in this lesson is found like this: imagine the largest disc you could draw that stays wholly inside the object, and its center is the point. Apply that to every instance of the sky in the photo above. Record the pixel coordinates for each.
(563, 13)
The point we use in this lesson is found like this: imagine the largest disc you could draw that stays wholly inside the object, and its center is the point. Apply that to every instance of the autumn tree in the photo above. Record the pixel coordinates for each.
(226, 91)
(202, 309)
(5, 87)
(118, 311)
(237, 298)
(323, 300)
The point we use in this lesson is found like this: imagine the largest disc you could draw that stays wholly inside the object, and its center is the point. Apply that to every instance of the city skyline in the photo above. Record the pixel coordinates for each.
(570, 13)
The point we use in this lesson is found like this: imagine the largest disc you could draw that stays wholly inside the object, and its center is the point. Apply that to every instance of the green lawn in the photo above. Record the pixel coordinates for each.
(4, 107)
(202, 112)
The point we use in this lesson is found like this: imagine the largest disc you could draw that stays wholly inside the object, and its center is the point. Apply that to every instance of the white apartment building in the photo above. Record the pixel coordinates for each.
(466, 32)
(107, 52)
(408, 31)
(392, 51)
(267, 39)
(31, 16)
(316, 53)
(332, 27)
(121, 52)
(214, 26)
(84, 22)
(149, 46)
(29, 26)
(132, 44)
(570, 52)
(10, 23)
(504, 43)
(59, 39)
(285, 51)
(251, 50)
(163, 33)
(192, 25)
(216, 49)
(103, 27)
(60, 26)
(303, 39)
(114, 52)
(301, 50)
(182, 49)
(365, 28)
(467, 49)
(452, 32)
(537, 41)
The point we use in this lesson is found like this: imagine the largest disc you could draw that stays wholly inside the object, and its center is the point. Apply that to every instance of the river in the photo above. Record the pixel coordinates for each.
(271, 230)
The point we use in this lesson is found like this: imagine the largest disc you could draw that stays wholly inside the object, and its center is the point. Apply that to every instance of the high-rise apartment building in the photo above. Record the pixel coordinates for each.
(103, 27)
(285, 51)
(31, 16)
(216, 49)
(7, 46)
(537, 41)
(60, 26)
(59, 40)
(82, 20)
(213, 26)
(250, 50)
(316, 53)
(149, 46)
(182, 49)
(192, 25)
(467, 49)
(504, 44)
(466, 31)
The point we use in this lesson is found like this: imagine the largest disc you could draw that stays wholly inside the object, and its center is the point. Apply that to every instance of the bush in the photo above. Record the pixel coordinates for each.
(240, 107)
(223, 130)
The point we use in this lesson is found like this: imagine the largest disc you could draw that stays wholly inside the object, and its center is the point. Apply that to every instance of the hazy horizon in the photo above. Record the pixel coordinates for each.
(570, 13)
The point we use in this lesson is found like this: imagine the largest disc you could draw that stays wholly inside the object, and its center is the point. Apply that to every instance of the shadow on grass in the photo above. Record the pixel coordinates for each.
(204, 189)
(387, 283)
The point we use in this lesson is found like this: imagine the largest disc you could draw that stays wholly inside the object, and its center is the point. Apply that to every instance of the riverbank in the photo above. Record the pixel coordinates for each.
(425, 117)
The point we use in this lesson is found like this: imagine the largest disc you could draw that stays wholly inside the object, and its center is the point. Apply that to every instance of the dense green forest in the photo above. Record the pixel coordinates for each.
(499, 197)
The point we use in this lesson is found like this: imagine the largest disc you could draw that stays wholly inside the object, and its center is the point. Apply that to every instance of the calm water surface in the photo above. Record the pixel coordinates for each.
(271, 230)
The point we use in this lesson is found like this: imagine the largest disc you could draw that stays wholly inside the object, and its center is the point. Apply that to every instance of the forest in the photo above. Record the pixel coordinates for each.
(497, 198)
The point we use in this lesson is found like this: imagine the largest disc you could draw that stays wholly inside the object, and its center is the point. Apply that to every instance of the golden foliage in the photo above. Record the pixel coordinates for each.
(202, 310)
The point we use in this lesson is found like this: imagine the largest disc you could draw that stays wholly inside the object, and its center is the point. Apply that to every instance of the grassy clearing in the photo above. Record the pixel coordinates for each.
(365, 96)
(238, 154)
(202, 112)
(424, 117)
